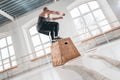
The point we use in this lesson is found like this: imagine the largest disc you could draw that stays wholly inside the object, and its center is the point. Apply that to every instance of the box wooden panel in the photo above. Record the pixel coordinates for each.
(62, 51)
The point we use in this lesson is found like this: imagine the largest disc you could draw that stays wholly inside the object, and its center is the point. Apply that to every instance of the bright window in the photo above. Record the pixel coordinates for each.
(41, 43)
(7, 54)
(95, 32)
(84, 8)
(89, 19)
(75, 12)
(99, 15)
(93, 5)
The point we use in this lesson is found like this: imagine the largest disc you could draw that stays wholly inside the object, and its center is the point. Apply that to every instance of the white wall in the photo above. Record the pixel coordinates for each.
(110, 15)
(115, 5)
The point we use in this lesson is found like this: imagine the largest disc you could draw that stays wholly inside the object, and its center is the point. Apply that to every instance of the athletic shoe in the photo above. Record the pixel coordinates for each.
(53, 41)
(58, 38)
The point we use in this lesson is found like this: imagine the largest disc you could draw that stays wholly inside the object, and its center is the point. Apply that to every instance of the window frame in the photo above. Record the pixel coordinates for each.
(34, 55)
(96, 22)
(10, 61)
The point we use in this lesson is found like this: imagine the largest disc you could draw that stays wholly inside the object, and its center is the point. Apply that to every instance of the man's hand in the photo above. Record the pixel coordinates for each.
(63, 14)
(60, 17)
(57, 18)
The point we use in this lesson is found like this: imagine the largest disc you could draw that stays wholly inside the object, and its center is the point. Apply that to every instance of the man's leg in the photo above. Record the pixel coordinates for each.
(52, 27)
(47, 26)
(56, 28)
(52, 34)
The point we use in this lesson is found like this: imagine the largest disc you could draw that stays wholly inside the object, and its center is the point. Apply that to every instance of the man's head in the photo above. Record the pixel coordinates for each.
(45, 9)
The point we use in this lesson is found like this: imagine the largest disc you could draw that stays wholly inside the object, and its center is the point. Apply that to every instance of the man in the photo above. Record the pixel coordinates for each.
(46, 24)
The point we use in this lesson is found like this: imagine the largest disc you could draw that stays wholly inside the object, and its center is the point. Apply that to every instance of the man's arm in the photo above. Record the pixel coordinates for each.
(57, 13)
(56, 18)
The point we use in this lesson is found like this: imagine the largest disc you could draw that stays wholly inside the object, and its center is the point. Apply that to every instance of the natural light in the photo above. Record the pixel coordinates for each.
(89, 19)
(40, 42)
(7, 53)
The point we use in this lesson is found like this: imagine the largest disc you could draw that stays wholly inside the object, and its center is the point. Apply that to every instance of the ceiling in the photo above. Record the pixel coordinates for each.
(16, 8)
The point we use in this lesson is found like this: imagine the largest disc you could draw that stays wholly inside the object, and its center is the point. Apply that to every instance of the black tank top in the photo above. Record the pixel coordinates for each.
(41, 20)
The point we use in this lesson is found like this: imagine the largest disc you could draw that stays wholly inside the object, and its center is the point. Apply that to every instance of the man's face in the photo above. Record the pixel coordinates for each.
(46, 9)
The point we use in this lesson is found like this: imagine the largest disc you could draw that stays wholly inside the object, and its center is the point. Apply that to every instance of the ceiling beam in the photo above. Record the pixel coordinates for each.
(6, 15)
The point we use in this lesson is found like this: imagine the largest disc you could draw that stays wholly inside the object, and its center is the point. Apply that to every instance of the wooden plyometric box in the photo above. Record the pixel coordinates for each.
(62, 51)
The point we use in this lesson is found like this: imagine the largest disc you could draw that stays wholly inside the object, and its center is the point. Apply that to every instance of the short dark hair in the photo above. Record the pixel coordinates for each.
(45, 8)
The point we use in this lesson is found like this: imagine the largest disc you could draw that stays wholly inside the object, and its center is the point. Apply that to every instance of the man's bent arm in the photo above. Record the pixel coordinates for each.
(56, 18)
(57, 13)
